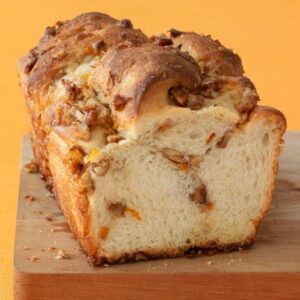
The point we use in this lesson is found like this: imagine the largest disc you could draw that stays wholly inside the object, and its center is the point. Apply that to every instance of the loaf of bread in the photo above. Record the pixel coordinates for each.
(153, 147)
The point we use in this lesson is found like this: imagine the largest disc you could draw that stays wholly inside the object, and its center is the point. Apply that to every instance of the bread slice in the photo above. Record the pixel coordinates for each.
(152, 147)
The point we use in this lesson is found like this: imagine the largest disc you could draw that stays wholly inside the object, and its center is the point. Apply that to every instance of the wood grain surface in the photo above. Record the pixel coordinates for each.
(269, 270)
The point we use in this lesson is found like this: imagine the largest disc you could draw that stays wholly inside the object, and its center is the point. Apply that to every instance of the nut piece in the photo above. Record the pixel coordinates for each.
(173, 155)
(195, 102)
(31, 167)
(184, 98)
(102, 167)
(86, 184)
(163, 41)
(199, 195)
(62, 254)
(98, 45)
(248, 100)
(75, 157)
(117, 209)
(180, 94)
(174, 33)
(74, 92)
(222, 143)
(115, 138)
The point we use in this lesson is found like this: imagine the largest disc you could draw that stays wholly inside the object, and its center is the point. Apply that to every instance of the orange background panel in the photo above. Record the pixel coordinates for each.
(266, 34)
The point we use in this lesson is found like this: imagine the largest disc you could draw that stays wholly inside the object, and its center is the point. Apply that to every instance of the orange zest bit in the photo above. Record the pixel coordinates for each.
(184, 166)
(133, 213)
(209, 205)
(104, 231)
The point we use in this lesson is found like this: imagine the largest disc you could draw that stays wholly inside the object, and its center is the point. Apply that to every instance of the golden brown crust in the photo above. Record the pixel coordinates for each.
(73, 203)
(130, 66)
(126, 73)
(188, 251)
(270, 114)
(210, 54)
(65, 44)
(68, 43)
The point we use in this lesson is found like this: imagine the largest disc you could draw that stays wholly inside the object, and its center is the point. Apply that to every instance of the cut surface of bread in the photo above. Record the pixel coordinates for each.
(153, 147)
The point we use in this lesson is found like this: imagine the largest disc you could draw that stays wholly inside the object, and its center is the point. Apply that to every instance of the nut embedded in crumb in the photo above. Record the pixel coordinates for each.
(199, 195)
(102, 167)
(26, 248)
(114, 138)
(173, 155)
(222, 143)
(62, 254)
(31, 167)
(117, 208)
(29, 198)
(179, 95)
(209, 262)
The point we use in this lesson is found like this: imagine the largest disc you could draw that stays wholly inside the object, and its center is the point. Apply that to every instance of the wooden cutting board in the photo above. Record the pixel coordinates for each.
(269, 270)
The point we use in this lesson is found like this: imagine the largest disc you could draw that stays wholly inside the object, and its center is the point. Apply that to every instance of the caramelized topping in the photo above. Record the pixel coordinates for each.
(75, 157)
(74, 92)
